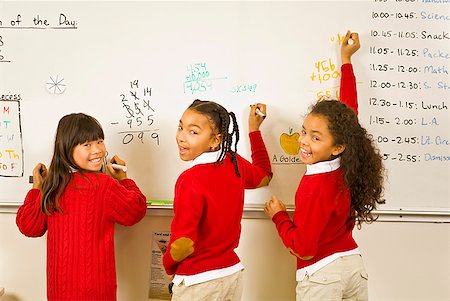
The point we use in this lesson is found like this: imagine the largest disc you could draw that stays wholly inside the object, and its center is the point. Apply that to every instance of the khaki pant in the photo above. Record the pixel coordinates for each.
(227, 288)
(343, 279)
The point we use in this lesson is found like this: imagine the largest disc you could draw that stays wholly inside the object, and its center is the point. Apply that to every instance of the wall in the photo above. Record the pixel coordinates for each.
(405, 261)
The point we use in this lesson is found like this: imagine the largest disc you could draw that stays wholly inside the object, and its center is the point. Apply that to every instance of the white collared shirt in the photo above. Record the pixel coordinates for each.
(207, 157)
(311, 269)
(207, 276)
(322, 167)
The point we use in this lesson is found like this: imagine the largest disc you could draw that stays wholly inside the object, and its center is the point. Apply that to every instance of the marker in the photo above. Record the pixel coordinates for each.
(31, 178)
(258, 111)
(119, 167)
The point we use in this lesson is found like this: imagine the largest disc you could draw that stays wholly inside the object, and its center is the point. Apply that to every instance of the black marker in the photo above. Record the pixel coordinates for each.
(30, 178)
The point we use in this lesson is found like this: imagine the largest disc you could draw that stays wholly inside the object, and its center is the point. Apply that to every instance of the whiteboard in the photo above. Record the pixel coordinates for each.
(136, 66)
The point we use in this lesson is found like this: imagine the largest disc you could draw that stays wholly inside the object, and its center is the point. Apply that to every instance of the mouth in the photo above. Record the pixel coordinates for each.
(182, 150)
(96, 160)
(305, 153)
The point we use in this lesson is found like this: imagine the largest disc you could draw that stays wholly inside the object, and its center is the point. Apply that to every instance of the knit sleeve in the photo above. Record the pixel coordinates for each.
(127, 204)
(30, 219)
(188, 210)
(301, 236)
(348, 92)
(259, 172)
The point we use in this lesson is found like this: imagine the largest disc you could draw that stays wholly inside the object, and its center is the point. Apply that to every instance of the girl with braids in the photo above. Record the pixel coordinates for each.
(209, 201)
(343, 183)
(78, 205)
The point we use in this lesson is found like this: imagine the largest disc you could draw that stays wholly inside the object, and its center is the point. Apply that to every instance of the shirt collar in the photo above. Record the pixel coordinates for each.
(323, 167)
(207, 157)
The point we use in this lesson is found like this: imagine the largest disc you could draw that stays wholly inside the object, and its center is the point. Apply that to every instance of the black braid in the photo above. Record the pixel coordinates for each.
(225, 122)
(235, 132)
(220, 118)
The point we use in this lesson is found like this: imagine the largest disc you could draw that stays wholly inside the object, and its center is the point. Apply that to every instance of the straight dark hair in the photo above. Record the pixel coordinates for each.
(73, 129)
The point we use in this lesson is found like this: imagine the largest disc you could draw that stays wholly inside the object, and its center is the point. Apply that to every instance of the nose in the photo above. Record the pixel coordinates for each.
(97, 148)
(179, 136)
(302, 140)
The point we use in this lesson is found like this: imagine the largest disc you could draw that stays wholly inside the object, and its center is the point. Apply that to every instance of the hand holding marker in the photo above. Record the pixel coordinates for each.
(119, 167)
(258, 111)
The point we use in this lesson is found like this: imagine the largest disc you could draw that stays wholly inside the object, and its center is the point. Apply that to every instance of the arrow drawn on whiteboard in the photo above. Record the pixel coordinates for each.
(56, 85)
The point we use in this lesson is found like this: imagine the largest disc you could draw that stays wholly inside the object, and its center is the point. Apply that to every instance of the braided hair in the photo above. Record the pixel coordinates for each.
(221, 119)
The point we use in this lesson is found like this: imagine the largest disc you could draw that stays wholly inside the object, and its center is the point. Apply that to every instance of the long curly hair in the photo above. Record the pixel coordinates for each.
(361, 160)
(221, 121)
(73, 129)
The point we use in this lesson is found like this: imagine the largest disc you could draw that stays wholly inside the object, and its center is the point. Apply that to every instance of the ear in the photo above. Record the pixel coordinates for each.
(216, 140)
(338, 149)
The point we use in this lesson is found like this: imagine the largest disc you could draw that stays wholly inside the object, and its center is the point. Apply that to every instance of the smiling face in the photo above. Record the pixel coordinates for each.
(195, 135)
(90, 155)
(316, 141)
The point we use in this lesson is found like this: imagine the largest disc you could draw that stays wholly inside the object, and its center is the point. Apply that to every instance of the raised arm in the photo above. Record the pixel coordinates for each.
(348, 92)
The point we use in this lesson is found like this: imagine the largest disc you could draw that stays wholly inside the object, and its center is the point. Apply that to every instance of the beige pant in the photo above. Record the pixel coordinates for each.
(343, 279)
(228, 288)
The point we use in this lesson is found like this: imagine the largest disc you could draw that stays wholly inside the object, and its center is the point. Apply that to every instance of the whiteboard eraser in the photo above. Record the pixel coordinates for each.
(119, 167)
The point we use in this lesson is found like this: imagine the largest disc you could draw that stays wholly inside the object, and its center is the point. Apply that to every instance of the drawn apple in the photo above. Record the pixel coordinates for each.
(289, 142)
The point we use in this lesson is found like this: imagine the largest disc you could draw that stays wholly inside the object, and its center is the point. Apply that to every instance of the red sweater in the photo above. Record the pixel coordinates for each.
(80, 240)
(321, 224)
(208, 206)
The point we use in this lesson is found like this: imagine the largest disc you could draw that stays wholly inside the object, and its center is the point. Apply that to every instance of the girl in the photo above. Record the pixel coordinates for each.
(343, 183)
(78, 205)
(209, 200)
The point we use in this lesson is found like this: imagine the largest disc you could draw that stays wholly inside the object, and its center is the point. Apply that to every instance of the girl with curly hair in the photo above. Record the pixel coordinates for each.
(343, 183)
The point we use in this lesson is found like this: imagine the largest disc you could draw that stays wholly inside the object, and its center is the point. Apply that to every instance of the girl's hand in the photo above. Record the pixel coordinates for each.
(348, 49)
(255, 119)
(116, 173)
(273, 207)
(39, 174)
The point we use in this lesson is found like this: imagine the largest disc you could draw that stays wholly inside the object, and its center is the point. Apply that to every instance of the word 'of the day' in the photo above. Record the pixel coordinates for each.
(38, 22)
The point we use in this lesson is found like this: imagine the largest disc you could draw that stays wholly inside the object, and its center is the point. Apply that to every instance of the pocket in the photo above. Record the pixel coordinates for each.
(324, 279)
(321, 286)
(363, 287)
(364, 275)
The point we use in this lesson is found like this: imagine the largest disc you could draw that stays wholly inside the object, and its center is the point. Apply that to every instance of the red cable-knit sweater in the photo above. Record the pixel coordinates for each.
(80, 240)
(208, 206)
(321, 224)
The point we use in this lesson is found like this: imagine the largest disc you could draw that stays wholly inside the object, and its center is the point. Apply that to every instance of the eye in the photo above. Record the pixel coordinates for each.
(303, 133)
(100, 141)
(192, 132)
(180, 127)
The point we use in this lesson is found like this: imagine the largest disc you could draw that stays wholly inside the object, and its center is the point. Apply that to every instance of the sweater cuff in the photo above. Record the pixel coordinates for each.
(254, 134)
(33, 194)
(347, 67)
(127, 182)
(280, 216)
